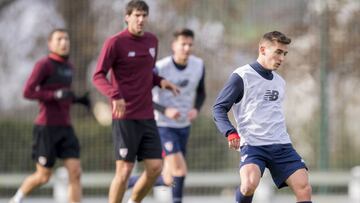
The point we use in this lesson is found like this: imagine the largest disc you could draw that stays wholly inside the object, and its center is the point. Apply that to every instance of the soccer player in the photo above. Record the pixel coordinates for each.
(131, 56)
(175, 114)
(256, 92)
(53, 135)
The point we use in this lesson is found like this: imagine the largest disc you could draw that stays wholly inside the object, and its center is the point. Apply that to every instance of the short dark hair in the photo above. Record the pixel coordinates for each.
(136, 5)
(276, 36)
(186, 32)
(56, 30)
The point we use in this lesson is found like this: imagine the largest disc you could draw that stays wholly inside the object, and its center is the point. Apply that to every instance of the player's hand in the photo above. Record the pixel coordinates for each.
(165, 84)
(118, 108)
(64, 94)
(84, 100)
(192, 114)
(172, 113)
(234, 141)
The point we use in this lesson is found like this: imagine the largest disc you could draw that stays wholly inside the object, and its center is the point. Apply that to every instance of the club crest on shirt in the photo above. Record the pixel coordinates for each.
(169, 146)
(244, 157)
(123, 152)
(152, 51)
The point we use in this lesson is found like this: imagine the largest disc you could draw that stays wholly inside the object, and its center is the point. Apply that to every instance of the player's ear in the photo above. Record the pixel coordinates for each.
(262, 50)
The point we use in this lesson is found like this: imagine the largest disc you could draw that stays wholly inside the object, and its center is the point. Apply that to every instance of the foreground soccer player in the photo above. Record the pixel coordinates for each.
(53, 135)
(256, 94)
(131, 56)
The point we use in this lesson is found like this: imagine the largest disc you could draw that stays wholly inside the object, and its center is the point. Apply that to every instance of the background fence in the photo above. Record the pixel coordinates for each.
(321, 71)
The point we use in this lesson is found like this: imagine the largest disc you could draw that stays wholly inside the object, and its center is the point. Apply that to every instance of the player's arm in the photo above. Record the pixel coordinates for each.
(31, 90)
(169, 112)
(163, 83)
(105, 62)
(231, 93)
(199, 98)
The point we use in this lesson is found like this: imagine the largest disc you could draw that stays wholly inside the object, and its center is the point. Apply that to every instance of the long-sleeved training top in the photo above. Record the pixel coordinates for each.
(131, 60)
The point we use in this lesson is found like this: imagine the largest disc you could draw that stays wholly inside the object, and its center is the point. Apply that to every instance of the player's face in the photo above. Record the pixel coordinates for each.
(274, 54)
(182, 47)
(136, 22)
(59, 43)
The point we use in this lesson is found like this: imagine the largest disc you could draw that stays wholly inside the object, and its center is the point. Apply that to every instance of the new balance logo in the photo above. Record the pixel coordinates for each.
(131, 54)
(271, 95)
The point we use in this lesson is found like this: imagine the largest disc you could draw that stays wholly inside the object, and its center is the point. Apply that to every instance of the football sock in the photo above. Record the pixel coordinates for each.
(132, 181)
(160, 182)
(177, 189)
(19, 195)
(240, 198)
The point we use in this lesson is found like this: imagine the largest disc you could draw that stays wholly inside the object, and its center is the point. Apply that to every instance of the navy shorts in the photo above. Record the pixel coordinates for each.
(51, 142)
(281, 159)
(174, 140)
(136, 139)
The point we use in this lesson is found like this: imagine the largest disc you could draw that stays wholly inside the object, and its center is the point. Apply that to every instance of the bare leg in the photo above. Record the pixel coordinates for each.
(299, 183)
(250, 175)
(174, 165)
(146, 181)
(74, 169)
(35, 180)
(119, 183)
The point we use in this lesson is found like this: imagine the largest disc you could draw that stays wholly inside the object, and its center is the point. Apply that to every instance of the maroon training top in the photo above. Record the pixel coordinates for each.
(131, 60)
(50, 73)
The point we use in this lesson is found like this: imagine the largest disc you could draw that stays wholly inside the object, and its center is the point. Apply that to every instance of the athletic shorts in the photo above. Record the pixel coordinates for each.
(281, 159)
(51, 142)
(174, 140)
(136, 139)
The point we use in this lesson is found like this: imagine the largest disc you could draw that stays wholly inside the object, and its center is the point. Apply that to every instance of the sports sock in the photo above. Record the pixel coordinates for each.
(240, 198)
(132, 181)
(131, 201)
(177, 189)
(18, 197)
(160, 182)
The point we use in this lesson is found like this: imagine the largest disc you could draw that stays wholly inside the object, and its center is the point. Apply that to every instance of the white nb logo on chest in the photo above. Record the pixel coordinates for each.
(131, 54)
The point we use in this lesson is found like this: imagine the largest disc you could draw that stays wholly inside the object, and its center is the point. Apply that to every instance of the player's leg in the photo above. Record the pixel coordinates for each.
(119, 183)
(74, 170)
(150, 151)
(35, 180)
(177, 163)
(299, 183)
(68, 149)
(43, 152)
(126, 137)
(252, 166)
(147, 179)
(288, 169)
(250, 175)
(175, 173)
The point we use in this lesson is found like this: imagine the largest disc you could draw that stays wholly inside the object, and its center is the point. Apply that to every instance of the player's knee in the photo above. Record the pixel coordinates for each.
(123, 173)
(154, 171)
(304, 190)
(43, 178)
(248, 188)
(74, 174)
(180, 171)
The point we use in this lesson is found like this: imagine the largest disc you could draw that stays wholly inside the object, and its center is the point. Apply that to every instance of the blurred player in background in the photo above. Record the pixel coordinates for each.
(175, 114)
(256, 94)
(53, 134)
(131, 56)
